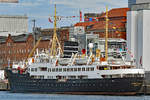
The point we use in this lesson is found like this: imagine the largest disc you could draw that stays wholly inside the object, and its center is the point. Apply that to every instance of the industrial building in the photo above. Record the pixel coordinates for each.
(138, 37)
(13, 25)
(135, 5)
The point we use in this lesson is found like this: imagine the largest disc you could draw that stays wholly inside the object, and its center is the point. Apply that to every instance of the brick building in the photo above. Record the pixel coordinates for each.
(62, 33)
(117, 24)
(17, 48)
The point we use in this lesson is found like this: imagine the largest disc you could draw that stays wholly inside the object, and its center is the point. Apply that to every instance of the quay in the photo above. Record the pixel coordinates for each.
(4, 86)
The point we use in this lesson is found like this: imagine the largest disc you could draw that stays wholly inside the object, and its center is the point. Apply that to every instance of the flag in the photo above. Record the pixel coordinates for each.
(80, 16)
(49, 19)
(90, 19)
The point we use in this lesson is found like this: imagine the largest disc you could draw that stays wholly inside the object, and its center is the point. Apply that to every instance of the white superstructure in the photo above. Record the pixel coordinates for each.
(41, 66)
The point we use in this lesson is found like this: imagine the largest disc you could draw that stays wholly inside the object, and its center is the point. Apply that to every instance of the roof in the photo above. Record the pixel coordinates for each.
(16, 16)
(113, 23)
(117, 12)
(22, 38)
(84, 24)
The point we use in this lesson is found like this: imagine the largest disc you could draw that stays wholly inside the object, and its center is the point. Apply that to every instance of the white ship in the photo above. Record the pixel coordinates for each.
(50, 73)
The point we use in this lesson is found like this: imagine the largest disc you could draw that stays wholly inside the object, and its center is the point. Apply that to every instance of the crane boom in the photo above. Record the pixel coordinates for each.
(36, 45)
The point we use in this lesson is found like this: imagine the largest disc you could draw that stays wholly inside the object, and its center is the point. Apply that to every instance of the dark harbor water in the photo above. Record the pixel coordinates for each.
(21, 96)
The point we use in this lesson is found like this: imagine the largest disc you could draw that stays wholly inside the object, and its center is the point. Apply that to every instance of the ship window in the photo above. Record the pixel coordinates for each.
(75, 69)
(71, 77)
(41, 77)
(82, 77)
(49, 69)
(43, 69)
(32, 69)
(64, 69)
(58, 77)
(87, 69)
(83, 69)
(35, 69)
(50, 77)
(60, 69)
(28, 69)
(53, 69)
(56, 69)
(115, 76)
(72, 69)
(64, 77)
(67, 69)
(102, 67)
(79, 69)
(91, 69)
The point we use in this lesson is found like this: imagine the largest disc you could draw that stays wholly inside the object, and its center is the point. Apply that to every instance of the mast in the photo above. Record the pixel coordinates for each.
(106, 35)
(55, 40)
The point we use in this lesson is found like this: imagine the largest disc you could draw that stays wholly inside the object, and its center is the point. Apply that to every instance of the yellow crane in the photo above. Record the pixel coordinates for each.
(36, 45)
(32, 52)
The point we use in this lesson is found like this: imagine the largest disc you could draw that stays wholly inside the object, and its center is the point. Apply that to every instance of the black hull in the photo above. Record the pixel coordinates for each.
(116, 86)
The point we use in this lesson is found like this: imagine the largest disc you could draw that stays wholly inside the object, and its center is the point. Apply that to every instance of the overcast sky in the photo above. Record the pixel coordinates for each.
(42, 9)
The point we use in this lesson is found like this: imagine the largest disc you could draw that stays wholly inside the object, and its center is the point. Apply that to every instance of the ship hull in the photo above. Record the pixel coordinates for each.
(23, 83)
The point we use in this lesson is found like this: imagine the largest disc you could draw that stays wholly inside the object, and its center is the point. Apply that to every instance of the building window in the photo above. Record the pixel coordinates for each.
(9, 52)
(8, 44)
